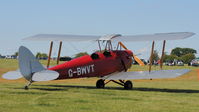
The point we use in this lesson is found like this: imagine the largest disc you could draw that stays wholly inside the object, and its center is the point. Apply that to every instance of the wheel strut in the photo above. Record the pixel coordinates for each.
(28, 84)
(127, 85)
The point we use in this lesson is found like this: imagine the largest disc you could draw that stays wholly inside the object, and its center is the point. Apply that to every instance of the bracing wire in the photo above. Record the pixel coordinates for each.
(77, 50)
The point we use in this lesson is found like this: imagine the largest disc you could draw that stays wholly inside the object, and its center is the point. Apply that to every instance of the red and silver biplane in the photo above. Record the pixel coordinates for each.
(108, 64)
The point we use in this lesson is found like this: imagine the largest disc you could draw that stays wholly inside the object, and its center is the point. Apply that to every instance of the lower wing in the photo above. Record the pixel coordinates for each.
(146, 75)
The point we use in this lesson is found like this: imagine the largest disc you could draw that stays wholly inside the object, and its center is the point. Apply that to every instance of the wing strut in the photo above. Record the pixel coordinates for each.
(108, 45)
(59, 52)
(49, 55)
(151, 57)
(99, 46)
(162, 57)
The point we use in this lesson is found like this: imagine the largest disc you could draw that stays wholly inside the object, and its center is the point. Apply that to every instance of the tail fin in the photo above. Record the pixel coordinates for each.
(28, 64)
(30, 68)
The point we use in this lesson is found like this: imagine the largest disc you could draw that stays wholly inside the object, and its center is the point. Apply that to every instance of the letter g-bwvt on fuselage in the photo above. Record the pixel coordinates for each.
(81, 70)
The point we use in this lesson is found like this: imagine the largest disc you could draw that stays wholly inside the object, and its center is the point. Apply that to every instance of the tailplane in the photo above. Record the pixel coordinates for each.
(30, 68)
(12, 75)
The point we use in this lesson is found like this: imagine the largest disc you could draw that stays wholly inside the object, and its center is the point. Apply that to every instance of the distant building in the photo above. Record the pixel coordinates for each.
(11, 57)
(2, 57)
(42, 58)
(65, 58)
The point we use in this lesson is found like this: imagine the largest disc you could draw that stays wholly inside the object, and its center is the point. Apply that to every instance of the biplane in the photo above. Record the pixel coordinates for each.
(109, 64)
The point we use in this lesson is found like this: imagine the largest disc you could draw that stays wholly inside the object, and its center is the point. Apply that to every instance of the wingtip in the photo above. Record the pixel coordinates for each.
(192, 33)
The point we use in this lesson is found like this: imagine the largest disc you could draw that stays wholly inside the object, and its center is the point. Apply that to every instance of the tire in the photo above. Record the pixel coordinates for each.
(128, 85)
(26, 88)
(100, 83)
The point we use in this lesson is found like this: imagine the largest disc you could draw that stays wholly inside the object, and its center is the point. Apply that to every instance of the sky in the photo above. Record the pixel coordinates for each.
(24, 18)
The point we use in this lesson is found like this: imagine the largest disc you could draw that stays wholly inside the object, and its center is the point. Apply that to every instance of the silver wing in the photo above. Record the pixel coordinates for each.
(155, 37)
(117, 37)
(146, 75)
(59, 37)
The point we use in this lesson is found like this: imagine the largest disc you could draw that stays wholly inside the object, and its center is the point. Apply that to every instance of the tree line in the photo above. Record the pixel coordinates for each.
(180, 54)
(185, 55)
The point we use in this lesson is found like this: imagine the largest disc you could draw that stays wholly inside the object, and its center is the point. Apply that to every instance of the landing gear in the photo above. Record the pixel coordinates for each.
(128, 85)
(26, 86)
(100, 83)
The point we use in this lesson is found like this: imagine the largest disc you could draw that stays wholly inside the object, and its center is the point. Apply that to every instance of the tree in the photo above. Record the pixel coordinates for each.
(44, 55)
(81, 54)
(38, 55)
(41, 55)
(168, 58)
(16, 54)
(155, 56)
(182, 51)
(188, 57)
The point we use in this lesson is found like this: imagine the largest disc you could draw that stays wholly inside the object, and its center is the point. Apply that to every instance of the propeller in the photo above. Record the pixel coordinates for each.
(135, 57)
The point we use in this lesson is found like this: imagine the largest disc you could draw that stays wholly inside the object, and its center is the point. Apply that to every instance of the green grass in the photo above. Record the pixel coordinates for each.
(161, 95)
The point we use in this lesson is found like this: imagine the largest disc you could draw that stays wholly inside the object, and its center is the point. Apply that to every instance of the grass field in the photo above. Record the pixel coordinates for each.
(80, 95)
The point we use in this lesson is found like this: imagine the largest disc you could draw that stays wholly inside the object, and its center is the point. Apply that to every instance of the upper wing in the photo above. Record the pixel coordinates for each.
(155, 37)
(117, 37)
(146, 75)
(59, 37)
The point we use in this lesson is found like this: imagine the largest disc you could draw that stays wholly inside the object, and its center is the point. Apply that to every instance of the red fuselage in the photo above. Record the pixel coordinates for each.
(87, 66)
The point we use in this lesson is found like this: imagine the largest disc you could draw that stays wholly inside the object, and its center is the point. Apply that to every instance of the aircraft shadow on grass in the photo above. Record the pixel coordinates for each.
(66, 87)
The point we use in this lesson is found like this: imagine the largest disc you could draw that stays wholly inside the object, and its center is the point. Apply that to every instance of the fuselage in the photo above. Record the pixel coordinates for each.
(96, 65)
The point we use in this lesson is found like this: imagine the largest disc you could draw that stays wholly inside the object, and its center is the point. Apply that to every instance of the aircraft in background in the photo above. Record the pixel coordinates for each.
(109, 64)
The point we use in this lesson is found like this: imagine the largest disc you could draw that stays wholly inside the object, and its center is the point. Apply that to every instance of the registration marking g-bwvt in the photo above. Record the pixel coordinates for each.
(81, 70)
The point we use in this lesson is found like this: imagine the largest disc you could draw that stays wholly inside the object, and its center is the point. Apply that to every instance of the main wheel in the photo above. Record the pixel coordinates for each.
(26, 88)
(100, 83)
(128, 85)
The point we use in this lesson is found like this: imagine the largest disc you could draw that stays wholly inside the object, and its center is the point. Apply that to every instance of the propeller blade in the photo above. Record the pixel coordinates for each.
(123, 45)
(45, 75)
(12, 75)
(138, 60)
(135, 57)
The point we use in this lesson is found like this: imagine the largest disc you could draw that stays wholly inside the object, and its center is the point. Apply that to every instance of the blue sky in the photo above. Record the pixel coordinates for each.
(23, 18)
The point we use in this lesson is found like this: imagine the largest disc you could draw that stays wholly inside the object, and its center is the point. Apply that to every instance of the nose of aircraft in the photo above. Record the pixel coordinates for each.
(129, 52)
(135, 57)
